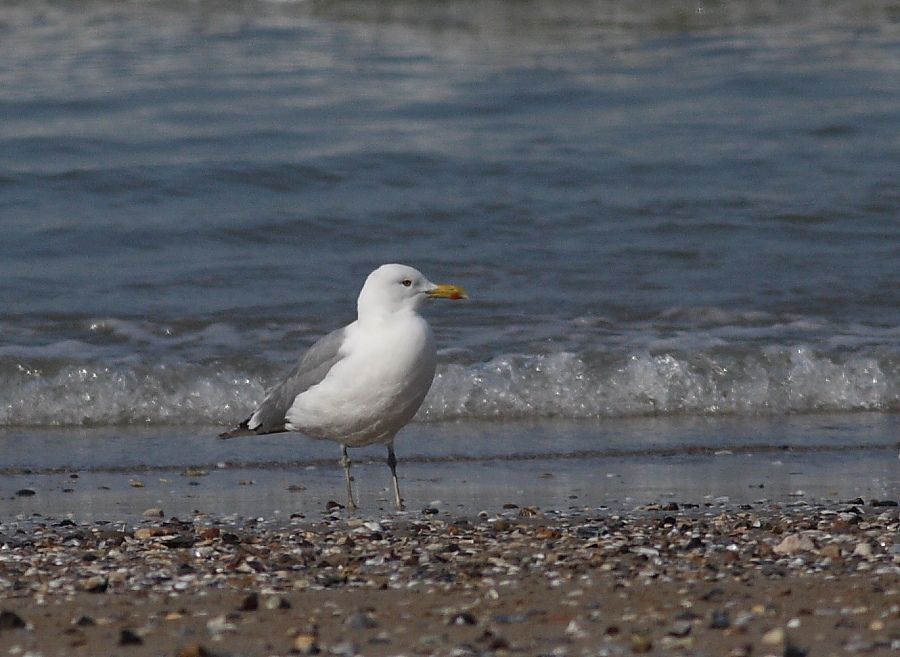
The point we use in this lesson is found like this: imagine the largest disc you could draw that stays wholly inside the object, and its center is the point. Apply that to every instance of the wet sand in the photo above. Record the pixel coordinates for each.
(667, 578)
(750, 548)
(463, 486)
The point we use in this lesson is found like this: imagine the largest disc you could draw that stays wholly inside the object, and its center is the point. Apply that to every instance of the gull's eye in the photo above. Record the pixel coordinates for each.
(406, 282)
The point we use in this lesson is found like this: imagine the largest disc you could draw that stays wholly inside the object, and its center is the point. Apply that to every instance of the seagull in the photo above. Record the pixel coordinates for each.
(360, 384)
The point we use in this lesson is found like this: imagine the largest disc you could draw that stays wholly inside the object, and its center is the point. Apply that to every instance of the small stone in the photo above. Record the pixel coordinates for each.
(277, 602)
(25, 492)
(676, 643)
(306, 643)
(509, 619)
(180, 541)
(720, 620)
(858, 644)
(794, 543)
(331, 505)
(791, 650)
(831, 551)
(9, 620)
(773, 637)
(94, 584)
(220, 624)
(129, 637)
(249, 603)
(381, 637)
(863, 549)
(680, 628)
(493, 642)
(143, 533)
(462, 618)
(153, 513)
(641, 643)
(136, 483)
(83, 621)
(573, 629)
(195, 650)
(360, 621)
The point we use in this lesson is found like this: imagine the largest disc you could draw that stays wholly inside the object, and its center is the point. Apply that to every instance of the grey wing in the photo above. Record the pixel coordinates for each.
(314, 365)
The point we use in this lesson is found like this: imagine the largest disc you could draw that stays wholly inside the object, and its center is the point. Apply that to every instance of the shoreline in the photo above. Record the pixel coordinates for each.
(569, 481)
(664, 578)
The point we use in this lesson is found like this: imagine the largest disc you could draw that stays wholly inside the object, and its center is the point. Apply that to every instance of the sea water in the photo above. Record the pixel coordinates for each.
(679, 214)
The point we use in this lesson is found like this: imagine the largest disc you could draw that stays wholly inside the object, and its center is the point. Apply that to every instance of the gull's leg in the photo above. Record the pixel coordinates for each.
(345, 461)
(392, 464)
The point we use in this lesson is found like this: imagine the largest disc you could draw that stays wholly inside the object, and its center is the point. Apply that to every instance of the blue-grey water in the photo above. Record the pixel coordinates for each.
(681, 214)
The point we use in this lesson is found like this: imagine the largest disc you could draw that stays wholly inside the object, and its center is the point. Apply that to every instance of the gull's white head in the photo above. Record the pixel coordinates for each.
(394, 288)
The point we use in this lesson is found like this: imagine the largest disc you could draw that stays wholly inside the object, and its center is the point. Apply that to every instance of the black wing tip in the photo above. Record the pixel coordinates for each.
(241, 430)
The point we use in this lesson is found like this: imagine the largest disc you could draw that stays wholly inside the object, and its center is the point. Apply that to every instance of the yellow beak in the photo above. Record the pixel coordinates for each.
(447, 291)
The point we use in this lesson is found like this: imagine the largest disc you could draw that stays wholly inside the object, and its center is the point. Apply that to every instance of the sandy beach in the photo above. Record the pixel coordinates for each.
(665, 423)
(697, 579)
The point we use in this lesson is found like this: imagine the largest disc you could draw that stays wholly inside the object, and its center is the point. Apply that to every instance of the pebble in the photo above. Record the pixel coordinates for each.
(680, 628)
(705, 548)
(306, 643)
(791, 650)
(344, 649)
(573, 629)
(220, 624)
(720, 620)
(794, 543)
(640, 643)
(277, 602)
(9, 620)
(128, 637)
(362, 620)
(773, 637)
(195, 650)
(462, 618)
(96, 584)
(249, 603)
(863, 549)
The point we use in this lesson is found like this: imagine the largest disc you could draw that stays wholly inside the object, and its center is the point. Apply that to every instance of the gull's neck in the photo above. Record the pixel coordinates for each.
(375, 316)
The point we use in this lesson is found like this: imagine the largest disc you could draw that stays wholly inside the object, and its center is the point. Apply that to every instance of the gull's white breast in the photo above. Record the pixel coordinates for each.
(376, 388)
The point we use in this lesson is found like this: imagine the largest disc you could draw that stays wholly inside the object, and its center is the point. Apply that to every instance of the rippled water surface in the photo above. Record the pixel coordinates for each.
(661, 210)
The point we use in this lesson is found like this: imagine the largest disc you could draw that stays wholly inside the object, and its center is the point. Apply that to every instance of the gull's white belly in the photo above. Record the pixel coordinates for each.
(375, 390)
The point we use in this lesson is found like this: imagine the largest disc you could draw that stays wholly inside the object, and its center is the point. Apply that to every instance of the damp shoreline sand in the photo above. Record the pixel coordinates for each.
(761, 578)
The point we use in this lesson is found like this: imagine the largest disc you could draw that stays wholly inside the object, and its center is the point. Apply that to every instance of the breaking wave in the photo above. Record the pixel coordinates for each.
(765, 380)
(774, 380)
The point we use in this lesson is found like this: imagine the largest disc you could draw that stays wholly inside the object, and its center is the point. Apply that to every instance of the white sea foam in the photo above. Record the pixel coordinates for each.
(769, 381)
(765, 381)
